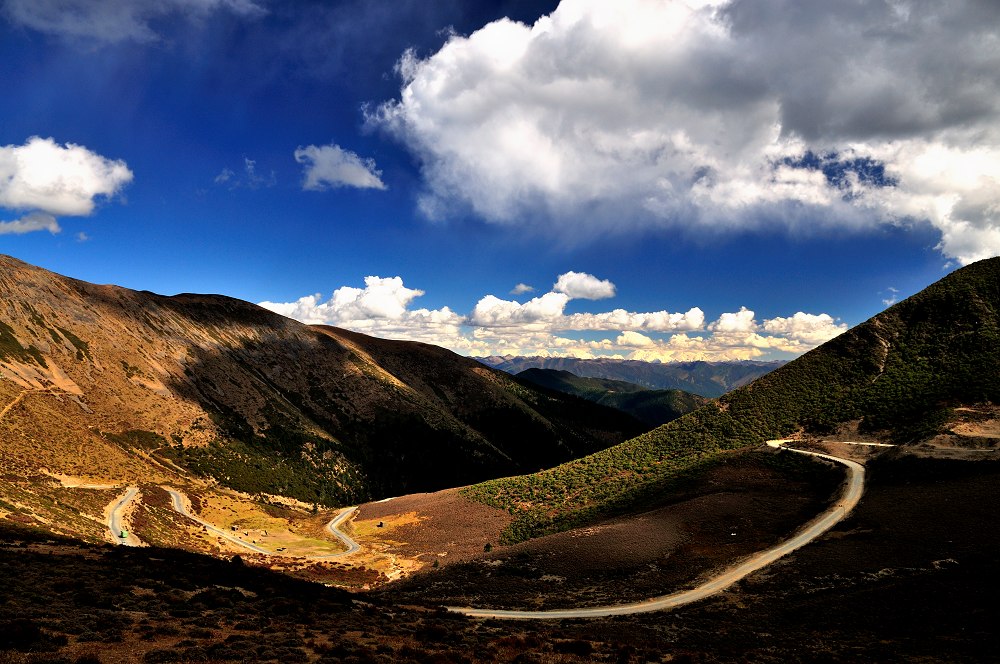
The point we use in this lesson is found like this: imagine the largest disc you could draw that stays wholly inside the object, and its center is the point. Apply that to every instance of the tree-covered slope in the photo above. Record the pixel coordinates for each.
(653, 407)
(899, 373)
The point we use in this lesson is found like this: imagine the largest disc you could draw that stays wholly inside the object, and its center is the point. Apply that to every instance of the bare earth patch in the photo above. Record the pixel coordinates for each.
(427, 527)
(974, 434)
(859, 453)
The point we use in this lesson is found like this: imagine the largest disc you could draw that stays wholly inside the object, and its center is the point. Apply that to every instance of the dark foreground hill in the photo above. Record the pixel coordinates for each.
(896, 377)
(654, 407)
(120, 384)
(710, 379)
(909, 577)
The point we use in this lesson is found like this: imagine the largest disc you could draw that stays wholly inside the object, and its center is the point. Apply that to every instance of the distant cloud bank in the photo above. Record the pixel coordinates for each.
(707, 116)
(541, 326)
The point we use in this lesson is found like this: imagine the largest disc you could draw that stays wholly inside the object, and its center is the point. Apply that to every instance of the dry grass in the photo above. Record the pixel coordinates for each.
(39, 503)
(49, 431)
(423, 528)
(269, 526)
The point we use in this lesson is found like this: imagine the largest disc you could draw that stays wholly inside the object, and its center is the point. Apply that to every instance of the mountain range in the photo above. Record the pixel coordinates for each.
(259, 402)
(653, 407)
(708, 379)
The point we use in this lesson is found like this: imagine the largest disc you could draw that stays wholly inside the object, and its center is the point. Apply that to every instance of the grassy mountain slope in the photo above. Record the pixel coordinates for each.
(115, 384)
(710, 379)
(898, 375)
(653, 407)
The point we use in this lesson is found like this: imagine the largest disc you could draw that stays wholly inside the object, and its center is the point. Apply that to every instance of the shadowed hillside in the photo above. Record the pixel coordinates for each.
(116, 384)
(654, 407)
(909, 577)
(896, 377)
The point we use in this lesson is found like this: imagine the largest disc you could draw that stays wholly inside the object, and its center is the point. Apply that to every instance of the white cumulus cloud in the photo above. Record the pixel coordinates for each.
(580, 285)
(730, 323)
(539, 312)
(57, 179)
(384, 298)
(807, 328)
(605, 117)
(29, 223)
(654, 321)
(381, 308)
(634, 340)
(541, 326)
(332, 166)
(521, 289)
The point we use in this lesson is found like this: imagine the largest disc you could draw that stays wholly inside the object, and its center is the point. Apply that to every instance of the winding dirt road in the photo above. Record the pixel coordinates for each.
(334, 528)
(115, 521)
(178, 501)
(848, 499)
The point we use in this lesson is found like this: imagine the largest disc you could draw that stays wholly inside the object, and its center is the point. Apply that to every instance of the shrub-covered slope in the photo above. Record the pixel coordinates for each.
(899, 374)
(653, 407)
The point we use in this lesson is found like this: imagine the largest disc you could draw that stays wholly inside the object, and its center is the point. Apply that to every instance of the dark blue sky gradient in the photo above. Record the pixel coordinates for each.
(214, 93)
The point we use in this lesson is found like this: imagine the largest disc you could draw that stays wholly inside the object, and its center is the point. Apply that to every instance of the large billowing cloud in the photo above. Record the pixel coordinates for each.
(710, 115)
(537, 313)
(332, 166)
(540, 325)
(114, 20)
(807, 328)
(380, 298)
(48, 179)
(735, 323)
(58, 179)
(380, 308)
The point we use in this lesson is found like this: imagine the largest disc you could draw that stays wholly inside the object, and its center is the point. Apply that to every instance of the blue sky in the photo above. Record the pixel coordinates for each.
(673, 180)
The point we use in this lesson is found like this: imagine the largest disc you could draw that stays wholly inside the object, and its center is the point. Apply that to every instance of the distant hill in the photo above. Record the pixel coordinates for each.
(653, 407)
(709, 379)
(112, 383)
(896, 377)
